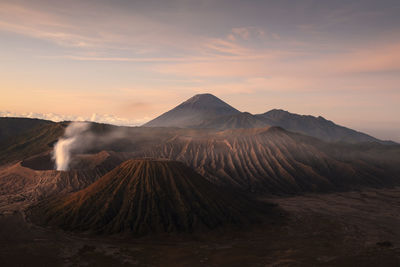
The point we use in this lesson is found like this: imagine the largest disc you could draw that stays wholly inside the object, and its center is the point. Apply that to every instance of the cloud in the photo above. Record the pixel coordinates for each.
(74, 25)
(136, 59)
(42, 25)
(246, 33)
(122, 36)
(100, 118)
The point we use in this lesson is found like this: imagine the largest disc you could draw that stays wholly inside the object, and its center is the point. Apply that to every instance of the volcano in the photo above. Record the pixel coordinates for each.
(193, 112)
(149, 196)
(242, 120)
(210, 112)
(318, 127)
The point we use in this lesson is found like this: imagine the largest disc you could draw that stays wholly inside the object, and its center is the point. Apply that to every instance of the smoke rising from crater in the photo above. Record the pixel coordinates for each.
(82, 137)
(65, 145)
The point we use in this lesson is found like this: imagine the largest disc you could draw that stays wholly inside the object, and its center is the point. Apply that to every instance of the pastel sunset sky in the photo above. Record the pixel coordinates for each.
(126, 62)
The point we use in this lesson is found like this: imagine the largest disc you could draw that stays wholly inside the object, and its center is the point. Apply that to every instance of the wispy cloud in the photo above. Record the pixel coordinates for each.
(246, 33)
(100, 118)
(42, 25)
(103, 30)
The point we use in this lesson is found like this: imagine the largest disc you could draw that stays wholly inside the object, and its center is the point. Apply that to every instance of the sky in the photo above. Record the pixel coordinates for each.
(126, 62)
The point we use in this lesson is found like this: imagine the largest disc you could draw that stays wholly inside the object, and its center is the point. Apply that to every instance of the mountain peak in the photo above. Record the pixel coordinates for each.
(193, 111)
(277, 111)
(318, 127)
(208, 101)
(202, 97)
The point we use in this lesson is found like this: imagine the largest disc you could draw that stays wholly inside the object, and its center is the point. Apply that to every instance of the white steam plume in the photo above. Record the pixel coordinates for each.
(65, 144)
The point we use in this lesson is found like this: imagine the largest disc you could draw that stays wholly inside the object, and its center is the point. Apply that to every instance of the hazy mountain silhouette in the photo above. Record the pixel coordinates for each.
(235, 121)
(314, 126)
(208, 111)
(193, 111)
(201, 111)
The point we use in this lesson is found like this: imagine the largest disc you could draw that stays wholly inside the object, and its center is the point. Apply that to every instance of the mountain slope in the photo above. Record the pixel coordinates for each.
(193, 111)
(34, 178)
(273, 160)
(148, 196)
(30, 142)
(11, 127)
(262, 160)
(208, 111)
(235, 121)
(314, 126)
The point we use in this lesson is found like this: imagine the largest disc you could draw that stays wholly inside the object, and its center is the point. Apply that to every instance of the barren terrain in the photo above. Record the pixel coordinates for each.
(359, 228)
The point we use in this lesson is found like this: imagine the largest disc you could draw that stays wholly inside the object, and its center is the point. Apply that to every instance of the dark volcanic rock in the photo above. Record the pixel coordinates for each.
(11, 127)
(273, 160)
(236, 121)
(35, 178)
(149, 196)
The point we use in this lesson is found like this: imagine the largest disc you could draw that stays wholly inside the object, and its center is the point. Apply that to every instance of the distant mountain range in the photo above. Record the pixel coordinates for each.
(262, 160)
(169, 179)
(227, 147)
(208, 111)
(198, 167)
(317, 127)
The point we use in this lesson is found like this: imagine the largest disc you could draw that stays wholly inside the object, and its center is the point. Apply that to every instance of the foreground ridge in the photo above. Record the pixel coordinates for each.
(144, 196)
